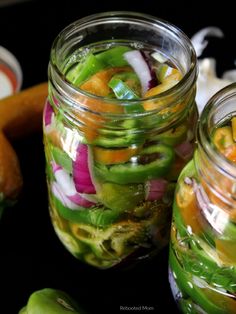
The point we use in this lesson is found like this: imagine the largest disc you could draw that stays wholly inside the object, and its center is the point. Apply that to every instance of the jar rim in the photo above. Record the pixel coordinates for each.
(204, 130)
(183, 85)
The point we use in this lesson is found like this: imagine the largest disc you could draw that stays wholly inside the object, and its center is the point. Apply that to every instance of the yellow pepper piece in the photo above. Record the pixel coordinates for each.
(233, 123)
(168, 82)
(222, 138)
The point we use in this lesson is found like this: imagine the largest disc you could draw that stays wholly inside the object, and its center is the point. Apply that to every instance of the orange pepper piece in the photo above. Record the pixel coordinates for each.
(168, 82)
(186, 202)
(226, 250)
(114, 156)
(230, 152)
(98, 85)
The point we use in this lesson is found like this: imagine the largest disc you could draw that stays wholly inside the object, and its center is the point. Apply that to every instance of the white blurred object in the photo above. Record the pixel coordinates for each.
(230, 75)
(198, 40)
(10, 73)
(208, 83)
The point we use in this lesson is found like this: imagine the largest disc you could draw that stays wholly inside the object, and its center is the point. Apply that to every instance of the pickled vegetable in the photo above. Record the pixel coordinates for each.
(111, 183)
(203, 243)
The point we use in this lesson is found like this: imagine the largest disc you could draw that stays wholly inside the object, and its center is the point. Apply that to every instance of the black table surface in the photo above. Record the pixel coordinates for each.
(31, 256)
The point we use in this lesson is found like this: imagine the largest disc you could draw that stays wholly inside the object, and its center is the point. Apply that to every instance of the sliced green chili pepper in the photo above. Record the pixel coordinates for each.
(61, 158)
(117, 138)
(123, 91)
(112, 242)
(51, 301)
(186, 285)
(131, 80)
(94, 216)
(198, 263)
(164, 70)
(85, 69)
(153, 162)
(113, 57)
(187, 306)
(118, 197)
(172, 137)
(229, 232)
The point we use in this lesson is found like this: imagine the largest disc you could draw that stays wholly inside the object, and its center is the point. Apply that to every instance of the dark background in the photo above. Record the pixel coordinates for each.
(31, 256)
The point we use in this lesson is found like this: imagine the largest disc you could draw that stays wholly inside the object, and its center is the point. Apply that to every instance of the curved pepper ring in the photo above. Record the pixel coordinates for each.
(152, 162)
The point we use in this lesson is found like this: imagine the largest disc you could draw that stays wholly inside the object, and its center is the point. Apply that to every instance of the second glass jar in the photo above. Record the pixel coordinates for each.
(203, 234)
(112, 163)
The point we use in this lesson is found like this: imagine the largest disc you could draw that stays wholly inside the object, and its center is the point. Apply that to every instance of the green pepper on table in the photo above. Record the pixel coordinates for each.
(51, 301)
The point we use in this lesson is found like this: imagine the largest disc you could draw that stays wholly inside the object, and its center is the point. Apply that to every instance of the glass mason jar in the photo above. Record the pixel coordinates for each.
(112, 163)
(202, 256)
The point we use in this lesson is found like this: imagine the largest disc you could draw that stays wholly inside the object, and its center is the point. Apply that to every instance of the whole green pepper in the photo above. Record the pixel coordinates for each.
(51, 301)
(153, 162)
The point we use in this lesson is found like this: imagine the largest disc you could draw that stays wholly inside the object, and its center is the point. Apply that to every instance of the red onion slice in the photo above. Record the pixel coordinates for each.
(64, 189)
(79, 200)
(184, 150)
(81, 172)
(155, 189)
(48, 114)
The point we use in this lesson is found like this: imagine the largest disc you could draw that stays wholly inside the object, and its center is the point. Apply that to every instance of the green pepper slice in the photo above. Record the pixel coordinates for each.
(113, 57)
(187, 306)
(131, 80)
(61, 158)
(172, 137)
(100, 217)
(121, 197)
(186, 285)
(85, 69)
(117, 138)
(123, 91)
(196, 261)
(160, 156)
(113, 242)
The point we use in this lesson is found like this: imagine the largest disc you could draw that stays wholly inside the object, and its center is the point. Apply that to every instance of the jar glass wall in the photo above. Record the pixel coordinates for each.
(203, 234)
(112, 162)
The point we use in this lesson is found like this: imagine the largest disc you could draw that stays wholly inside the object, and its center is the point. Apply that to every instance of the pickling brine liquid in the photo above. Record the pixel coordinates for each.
(203, 233)
(114, 149)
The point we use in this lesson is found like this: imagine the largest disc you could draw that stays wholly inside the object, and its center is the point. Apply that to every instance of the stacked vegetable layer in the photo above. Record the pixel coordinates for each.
(111, 179)
(203, 237)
